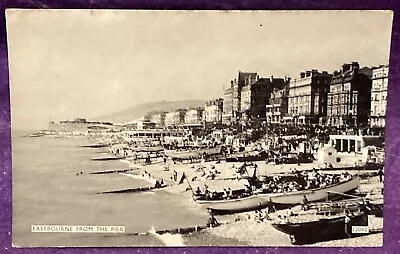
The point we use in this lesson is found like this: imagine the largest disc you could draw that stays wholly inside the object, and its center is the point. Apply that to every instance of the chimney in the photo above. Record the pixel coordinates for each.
(355, 66)
(346, 67)
(302, 74)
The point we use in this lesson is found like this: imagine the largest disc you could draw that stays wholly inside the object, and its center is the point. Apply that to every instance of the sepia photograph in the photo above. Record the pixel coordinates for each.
(141, 128)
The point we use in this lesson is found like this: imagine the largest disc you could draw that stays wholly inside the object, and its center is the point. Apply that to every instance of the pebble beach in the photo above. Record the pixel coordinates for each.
(242, 229)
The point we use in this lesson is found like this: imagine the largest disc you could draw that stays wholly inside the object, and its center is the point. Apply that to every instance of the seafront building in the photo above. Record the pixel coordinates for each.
(277, 107)
(349, 97)
(227, 108)
(379, 96)
(194, 116)
(307, 97)
(243, 88)
(175, 118)
(257, 95)
(354, 143)
(246, 97)
(233, 96)
(213, 111)
(158, 118)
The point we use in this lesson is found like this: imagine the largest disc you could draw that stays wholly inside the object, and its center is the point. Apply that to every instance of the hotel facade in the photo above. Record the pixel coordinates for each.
(213, 111)
(349, 98)
(194, 116)
(277, 108)
(307, 98)
(379, 96)
(175, 118)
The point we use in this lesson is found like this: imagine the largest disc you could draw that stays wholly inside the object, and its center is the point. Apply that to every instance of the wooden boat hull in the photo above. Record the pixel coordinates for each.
(186, 155)
(314, 195)
(324, 229)
(239, 205)
(259, 201)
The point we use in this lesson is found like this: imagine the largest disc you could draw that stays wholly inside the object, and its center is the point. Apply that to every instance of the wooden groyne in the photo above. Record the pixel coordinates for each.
(114, 171)
(133, 190)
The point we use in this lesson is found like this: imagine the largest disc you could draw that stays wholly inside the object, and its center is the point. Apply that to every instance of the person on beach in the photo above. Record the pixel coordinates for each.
(225, 195)
(304, 203)
(270, 208)
(148, 159)
(206, 191)
(258, 216)
(347, 224)
(230, 193)
(380, 174)
(166, 168)
(212, 222)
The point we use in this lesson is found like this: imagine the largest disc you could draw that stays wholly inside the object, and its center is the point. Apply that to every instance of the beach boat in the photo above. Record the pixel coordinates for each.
(279, 200)
(319, 227)
(287, 199)
(239, 205)
(245, 157)
(193, 154)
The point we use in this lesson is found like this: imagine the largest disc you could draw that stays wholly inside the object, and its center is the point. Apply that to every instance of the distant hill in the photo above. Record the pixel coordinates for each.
(141, 110)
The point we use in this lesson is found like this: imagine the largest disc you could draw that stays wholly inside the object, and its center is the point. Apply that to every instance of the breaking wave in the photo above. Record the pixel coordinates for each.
(172, 240)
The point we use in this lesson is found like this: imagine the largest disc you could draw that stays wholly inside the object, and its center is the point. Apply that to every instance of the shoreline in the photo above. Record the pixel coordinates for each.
(139, 177)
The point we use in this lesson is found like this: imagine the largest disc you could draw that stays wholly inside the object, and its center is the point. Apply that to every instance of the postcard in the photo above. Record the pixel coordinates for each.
(140, 128)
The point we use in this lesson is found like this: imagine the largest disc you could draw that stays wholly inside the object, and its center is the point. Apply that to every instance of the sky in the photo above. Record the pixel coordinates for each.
(81, 63)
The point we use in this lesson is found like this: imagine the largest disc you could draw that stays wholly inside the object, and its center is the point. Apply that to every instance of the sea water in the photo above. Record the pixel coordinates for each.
(49, 189)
